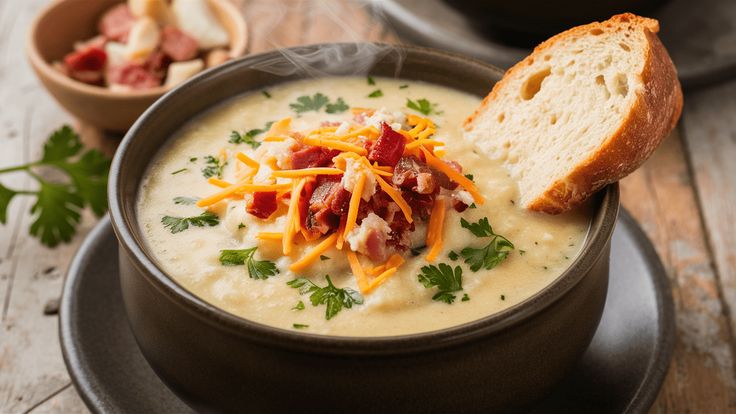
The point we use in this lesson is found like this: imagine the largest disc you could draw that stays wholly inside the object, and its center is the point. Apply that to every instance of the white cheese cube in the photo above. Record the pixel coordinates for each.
(180, 71)
(197, 19)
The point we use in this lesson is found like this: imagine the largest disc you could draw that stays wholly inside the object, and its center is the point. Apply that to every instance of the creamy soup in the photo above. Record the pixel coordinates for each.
(217, 207)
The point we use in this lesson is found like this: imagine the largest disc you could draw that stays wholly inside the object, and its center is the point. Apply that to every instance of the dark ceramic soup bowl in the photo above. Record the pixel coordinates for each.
(218, 362)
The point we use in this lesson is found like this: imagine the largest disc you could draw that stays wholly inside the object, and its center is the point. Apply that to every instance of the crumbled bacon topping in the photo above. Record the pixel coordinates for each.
(389, 147)
(263, 204)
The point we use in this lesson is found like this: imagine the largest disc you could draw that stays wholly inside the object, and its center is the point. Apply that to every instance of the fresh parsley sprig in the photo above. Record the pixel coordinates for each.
(444, 279)
(213, 167)
(492, 254)
(334, 298)
(249, 137)
(58, 206)
(179, 224)
(316, 102)
(257, 269)
(422, 106)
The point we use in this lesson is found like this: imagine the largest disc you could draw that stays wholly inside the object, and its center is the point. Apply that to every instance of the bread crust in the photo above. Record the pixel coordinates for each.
(653, 115)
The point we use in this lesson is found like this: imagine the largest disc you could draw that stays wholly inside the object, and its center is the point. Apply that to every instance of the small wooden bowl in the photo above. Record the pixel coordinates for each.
(64, 22)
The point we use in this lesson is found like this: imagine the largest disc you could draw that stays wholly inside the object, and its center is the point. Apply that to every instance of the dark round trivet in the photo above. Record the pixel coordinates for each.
(621, 372)
(700, 36)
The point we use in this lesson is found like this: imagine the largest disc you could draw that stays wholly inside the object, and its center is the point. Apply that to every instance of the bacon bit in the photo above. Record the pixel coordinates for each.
(263, 204)
(314, 254)
(357, 270)
(239, 187)
(86, 65)
(335, 144)
(453, 175)
(270, 236)
(389, 148)
(116, 23)
(354, 204)
(306, 172)
(310, 157)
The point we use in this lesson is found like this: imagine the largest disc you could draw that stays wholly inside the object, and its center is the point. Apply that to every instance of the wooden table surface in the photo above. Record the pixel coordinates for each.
(684, 197)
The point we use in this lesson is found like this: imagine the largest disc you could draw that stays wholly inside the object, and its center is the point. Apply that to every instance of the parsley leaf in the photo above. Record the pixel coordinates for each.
(57, 212)
(376, 94)
(6, 195)
(403, 86)
(179, 224)
(307, 103)
(266, 94)
(335, 299)
(300, 326)
(469, 177)
(257, 269)
(453, 255)
(422, 106)
(213, 167)
(323, 257)
(249, 136)
(465, 298)
(480, 229)
(337, 107)
(444, 279)
(370, 80)
(187, 201)
(299, 306)
(179, 171)
(492, 254)
(57, 209)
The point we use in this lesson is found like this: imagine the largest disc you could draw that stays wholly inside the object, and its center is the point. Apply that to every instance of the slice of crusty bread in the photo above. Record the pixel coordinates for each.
(585, 109)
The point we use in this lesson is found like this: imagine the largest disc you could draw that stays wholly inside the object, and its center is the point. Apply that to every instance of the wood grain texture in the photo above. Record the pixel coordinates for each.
(660, 196)
(710, 137)
(698, 253)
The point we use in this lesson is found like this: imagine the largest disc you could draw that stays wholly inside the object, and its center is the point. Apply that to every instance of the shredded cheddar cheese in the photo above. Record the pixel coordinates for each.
(434, 231)
(293, 224)
(306, 172)
(314, 254)
(218, 182)
(334, 144)
(269, 236)
(357, 270)
(426, 142)
(378, 281)
(396, 196)
(354, 204)
(453, 175)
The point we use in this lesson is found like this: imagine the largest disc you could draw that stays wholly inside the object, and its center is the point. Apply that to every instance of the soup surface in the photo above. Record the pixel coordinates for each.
(212, 238)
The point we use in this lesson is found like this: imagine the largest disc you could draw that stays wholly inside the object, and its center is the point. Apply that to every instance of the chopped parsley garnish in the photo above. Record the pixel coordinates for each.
(453, 255)
(323, 257)
(422, 105)
(299, 306)
(187, 201)
(249, 137)
(465, 298)
(192, 159)
(58, 206)
(416, 251)
(241, 226)
(179, 171)
(522, 252)
(469, 177)
(442, 277)
(266, 94)
(492, 254)
(503, 297)
(337, 107)
(179, 224)
(300, 326)
(334, 298)
(306, 103)
(213, 167)
(403, 86)
(472, 206)
(257, 269)
(370, 80)
(376, 94)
